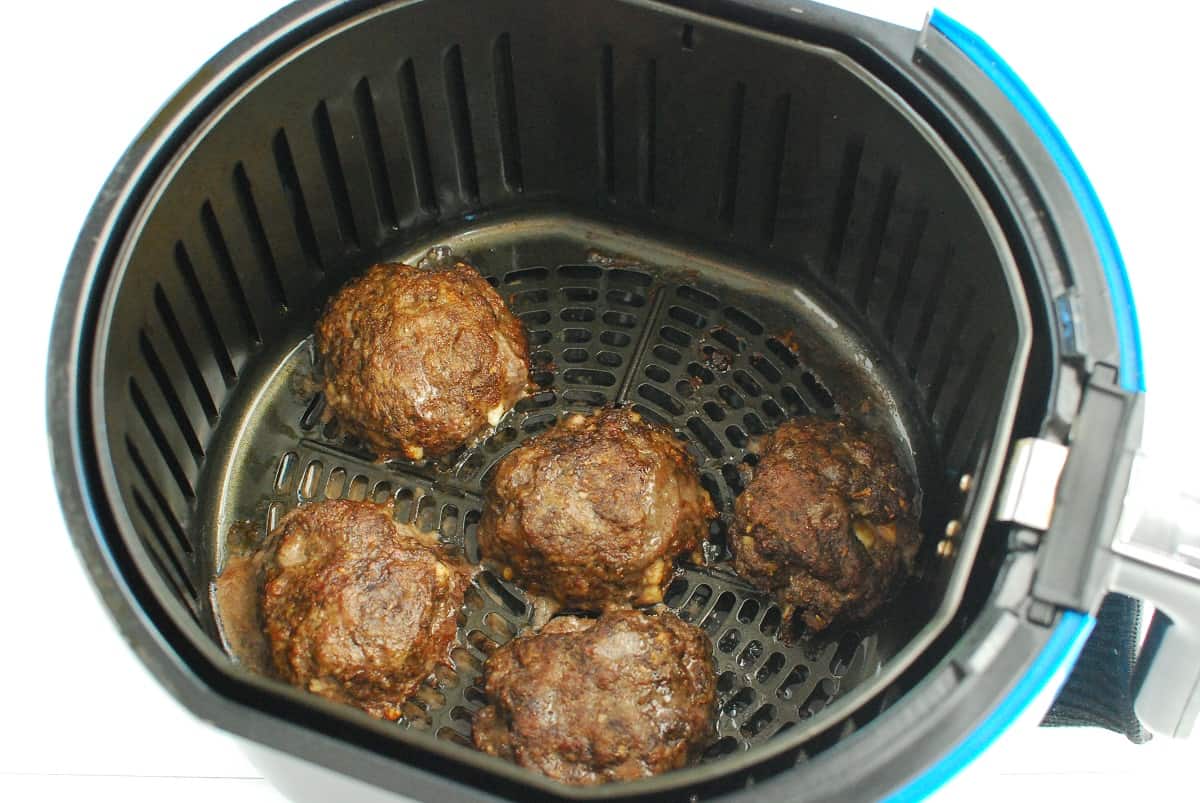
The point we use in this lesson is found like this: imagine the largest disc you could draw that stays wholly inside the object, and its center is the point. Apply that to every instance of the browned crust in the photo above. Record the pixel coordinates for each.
(415, 359)
(355, 607)
(593, 511)
(591, 701)
(827, 524)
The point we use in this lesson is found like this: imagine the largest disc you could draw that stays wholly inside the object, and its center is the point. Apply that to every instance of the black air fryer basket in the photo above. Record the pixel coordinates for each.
(723, 213)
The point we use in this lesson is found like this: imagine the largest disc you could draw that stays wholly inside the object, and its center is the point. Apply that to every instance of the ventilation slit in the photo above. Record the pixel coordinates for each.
(418, 144)
(334, 176)
(220, 351)
(368, 125)
(220, 252)
(978, 444)
(726, 202)
(642, 345)
(688, 38)
(648, 133)
(178, 575)
(460, 125)
(874, 244)
(294, 194)
(160, 441)
(171, 396)
(967, 389)
(908, 258)
(953, 343)
(776, 146)
(605, 129)
(172, 522)
(843, 204)
(506, 114)
(258, 235)
(706, 436)
(929, 311)
(186, 357)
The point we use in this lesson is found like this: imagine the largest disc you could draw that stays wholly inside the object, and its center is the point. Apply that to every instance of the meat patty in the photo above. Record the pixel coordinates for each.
(593, 511)
(827, 524)
(356, 608)
(419, 361)
(587, 701)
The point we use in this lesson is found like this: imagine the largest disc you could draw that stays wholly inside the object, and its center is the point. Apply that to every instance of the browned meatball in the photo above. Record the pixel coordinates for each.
(418, 361)
(587, 701)
(827, 524)
(593, 511)
(356, 608)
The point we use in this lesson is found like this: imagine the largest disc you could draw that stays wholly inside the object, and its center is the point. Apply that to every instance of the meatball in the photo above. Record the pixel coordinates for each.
(356, 608)
(419, 361)
(586, 701)
(593, 511)
(827, 524)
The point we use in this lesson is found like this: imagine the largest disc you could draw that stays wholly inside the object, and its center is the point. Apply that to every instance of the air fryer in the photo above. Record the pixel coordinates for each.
(722, 213)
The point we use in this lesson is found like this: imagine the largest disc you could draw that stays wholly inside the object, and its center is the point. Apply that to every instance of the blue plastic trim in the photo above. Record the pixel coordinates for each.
(1060, 653)
(1129, 339)
(1067, 640)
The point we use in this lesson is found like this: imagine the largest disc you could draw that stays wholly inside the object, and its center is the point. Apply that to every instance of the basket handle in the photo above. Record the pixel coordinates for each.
(1157, 558)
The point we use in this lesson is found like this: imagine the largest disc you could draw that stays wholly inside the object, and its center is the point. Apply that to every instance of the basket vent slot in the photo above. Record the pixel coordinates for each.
(727, 197)
(159, 500)
(160, 441)
(777, 128)
(368, 126)
(873, 247)
(418, 143)
(843, 204)
(220, 253)
(285, 164)
(335, 176)
(171, 396)
(460, 125)
(647, 134)
(506, 114)
(605, 135)
(186, 357)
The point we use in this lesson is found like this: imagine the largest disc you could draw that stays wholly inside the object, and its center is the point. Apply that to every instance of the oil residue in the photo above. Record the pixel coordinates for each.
(242, 537)
(236, 593)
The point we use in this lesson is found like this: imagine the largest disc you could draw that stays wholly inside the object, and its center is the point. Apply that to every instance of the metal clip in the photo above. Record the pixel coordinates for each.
(1031, 484)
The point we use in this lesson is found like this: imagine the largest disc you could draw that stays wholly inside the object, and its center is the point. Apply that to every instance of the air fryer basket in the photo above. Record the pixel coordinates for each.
(721, 226)
(680, 347)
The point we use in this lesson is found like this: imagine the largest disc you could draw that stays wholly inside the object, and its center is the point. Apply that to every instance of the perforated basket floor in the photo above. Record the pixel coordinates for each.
(682, 342)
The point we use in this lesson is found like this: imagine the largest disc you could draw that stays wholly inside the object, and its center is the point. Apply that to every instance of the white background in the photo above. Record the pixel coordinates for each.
(81, 719)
